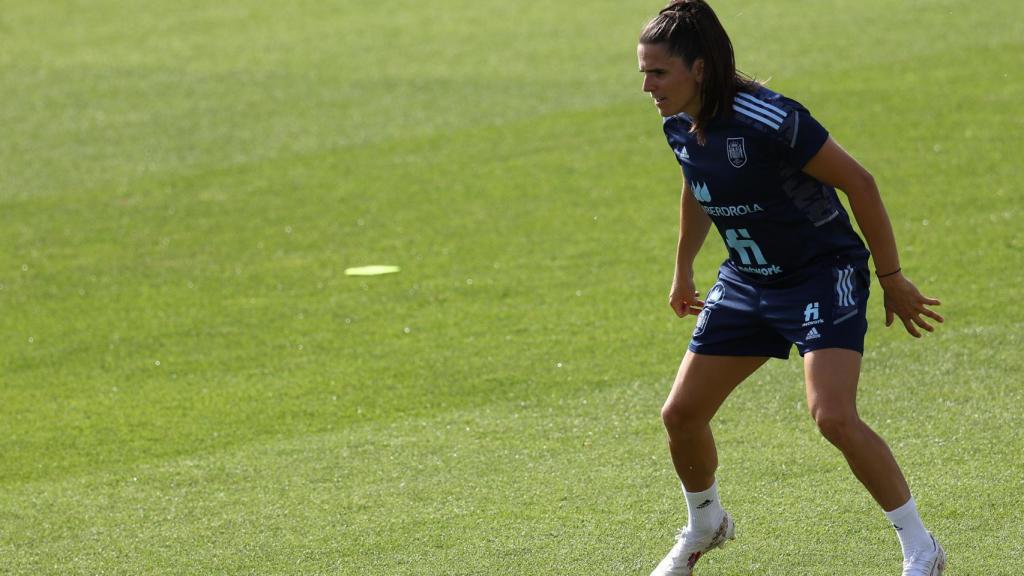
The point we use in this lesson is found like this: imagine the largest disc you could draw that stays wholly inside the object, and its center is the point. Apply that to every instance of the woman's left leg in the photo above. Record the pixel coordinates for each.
(831, 376)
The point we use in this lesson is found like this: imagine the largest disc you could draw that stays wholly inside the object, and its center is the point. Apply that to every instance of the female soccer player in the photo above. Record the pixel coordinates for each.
(764, 171)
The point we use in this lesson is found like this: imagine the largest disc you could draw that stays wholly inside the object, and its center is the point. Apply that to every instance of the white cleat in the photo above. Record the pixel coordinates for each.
(928, 563)
(690, 547)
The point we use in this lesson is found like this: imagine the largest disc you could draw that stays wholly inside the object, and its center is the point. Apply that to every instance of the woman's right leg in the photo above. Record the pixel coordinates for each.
(702, 384)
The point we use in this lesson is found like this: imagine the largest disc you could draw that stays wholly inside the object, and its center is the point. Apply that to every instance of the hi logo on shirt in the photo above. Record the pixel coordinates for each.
(740, 241)
(701, 192)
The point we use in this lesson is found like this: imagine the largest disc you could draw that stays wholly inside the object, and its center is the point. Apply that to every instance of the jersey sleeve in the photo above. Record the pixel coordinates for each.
(676, 131)
(800, 136)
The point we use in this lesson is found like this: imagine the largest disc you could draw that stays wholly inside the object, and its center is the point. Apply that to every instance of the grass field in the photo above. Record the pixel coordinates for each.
(189, 384)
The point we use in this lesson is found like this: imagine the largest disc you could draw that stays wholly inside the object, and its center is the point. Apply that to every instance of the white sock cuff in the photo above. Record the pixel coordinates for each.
(909, 509)
(703, 509)
(911, 532)
(709, 494)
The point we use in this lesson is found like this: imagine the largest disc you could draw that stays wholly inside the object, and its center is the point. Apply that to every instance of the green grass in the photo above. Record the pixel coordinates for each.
(190, 384)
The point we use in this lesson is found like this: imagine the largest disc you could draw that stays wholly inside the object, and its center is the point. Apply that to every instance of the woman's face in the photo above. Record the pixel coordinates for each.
(674, 86)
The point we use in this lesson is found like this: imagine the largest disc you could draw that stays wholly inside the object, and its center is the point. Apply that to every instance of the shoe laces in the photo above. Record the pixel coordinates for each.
(918, 564)
(682, 543)
(910, 570)
(680, 546)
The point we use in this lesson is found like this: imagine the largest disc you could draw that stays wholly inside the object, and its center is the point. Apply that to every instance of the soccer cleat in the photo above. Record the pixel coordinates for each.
(929, 563)
(690, 547)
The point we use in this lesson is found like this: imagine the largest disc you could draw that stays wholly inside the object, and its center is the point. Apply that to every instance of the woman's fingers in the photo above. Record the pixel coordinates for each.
(680, 308)
(910, 327)
(911, 307)
(923, 324)
(933, 315)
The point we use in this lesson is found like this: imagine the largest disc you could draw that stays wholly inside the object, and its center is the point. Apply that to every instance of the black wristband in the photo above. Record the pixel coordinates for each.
(896, 271)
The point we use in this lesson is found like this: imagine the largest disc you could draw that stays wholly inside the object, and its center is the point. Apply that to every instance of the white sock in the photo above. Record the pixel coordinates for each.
(907, 522)
(704, 510)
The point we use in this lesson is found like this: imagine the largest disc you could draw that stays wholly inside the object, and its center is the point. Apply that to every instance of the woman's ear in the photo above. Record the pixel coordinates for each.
(698, 69)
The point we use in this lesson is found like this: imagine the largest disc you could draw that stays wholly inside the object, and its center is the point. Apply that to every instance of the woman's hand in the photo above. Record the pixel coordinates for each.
(684, 297)
(903, 299)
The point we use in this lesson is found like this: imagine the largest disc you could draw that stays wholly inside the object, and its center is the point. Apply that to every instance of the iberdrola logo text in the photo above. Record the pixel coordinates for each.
(741, 210)
(703, 195)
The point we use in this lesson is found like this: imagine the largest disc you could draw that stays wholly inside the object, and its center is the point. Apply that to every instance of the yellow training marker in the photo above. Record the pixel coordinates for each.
(371, 270)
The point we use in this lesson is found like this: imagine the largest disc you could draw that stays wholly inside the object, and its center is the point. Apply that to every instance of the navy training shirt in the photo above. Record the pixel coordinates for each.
(748, 177)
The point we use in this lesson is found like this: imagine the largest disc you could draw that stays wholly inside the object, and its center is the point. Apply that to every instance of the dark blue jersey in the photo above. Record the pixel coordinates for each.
(748, 177)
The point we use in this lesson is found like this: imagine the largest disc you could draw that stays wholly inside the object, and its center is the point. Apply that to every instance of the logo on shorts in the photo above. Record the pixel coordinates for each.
(702, 321)
(736, 150)
(813, 334)
(714, 295)
(812, 315)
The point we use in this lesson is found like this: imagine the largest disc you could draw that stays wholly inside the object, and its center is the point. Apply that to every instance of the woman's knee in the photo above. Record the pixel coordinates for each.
(682, 417)
(837, 426)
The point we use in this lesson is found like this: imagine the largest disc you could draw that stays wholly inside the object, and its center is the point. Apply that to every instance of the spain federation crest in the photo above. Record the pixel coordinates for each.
(736, 150)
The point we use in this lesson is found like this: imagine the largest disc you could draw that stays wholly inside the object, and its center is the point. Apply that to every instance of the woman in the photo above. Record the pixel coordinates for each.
(758, 166)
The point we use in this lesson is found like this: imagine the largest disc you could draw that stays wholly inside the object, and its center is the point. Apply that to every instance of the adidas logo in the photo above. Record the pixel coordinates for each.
(812, 334)
(683, 154)
(703, 504)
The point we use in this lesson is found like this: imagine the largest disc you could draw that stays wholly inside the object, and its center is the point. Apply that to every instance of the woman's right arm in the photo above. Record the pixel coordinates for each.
(693, 229)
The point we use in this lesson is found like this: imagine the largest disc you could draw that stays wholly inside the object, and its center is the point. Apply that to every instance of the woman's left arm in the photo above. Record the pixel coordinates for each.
(833, 166)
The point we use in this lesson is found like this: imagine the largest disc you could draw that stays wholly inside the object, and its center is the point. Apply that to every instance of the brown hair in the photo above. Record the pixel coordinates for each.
(691, 30)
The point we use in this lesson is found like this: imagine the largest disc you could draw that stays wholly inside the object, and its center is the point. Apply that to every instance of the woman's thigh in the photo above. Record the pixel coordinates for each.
(831, 377)
(705, 381)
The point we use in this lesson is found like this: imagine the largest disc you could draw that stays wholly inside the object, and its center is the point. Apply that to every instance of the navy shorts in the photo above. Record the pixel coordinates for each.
(825, 307)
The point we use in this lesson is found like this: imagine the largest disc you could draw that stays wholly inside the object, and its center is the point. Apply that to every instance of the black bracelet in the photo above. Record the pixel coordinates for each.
(896, 271)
